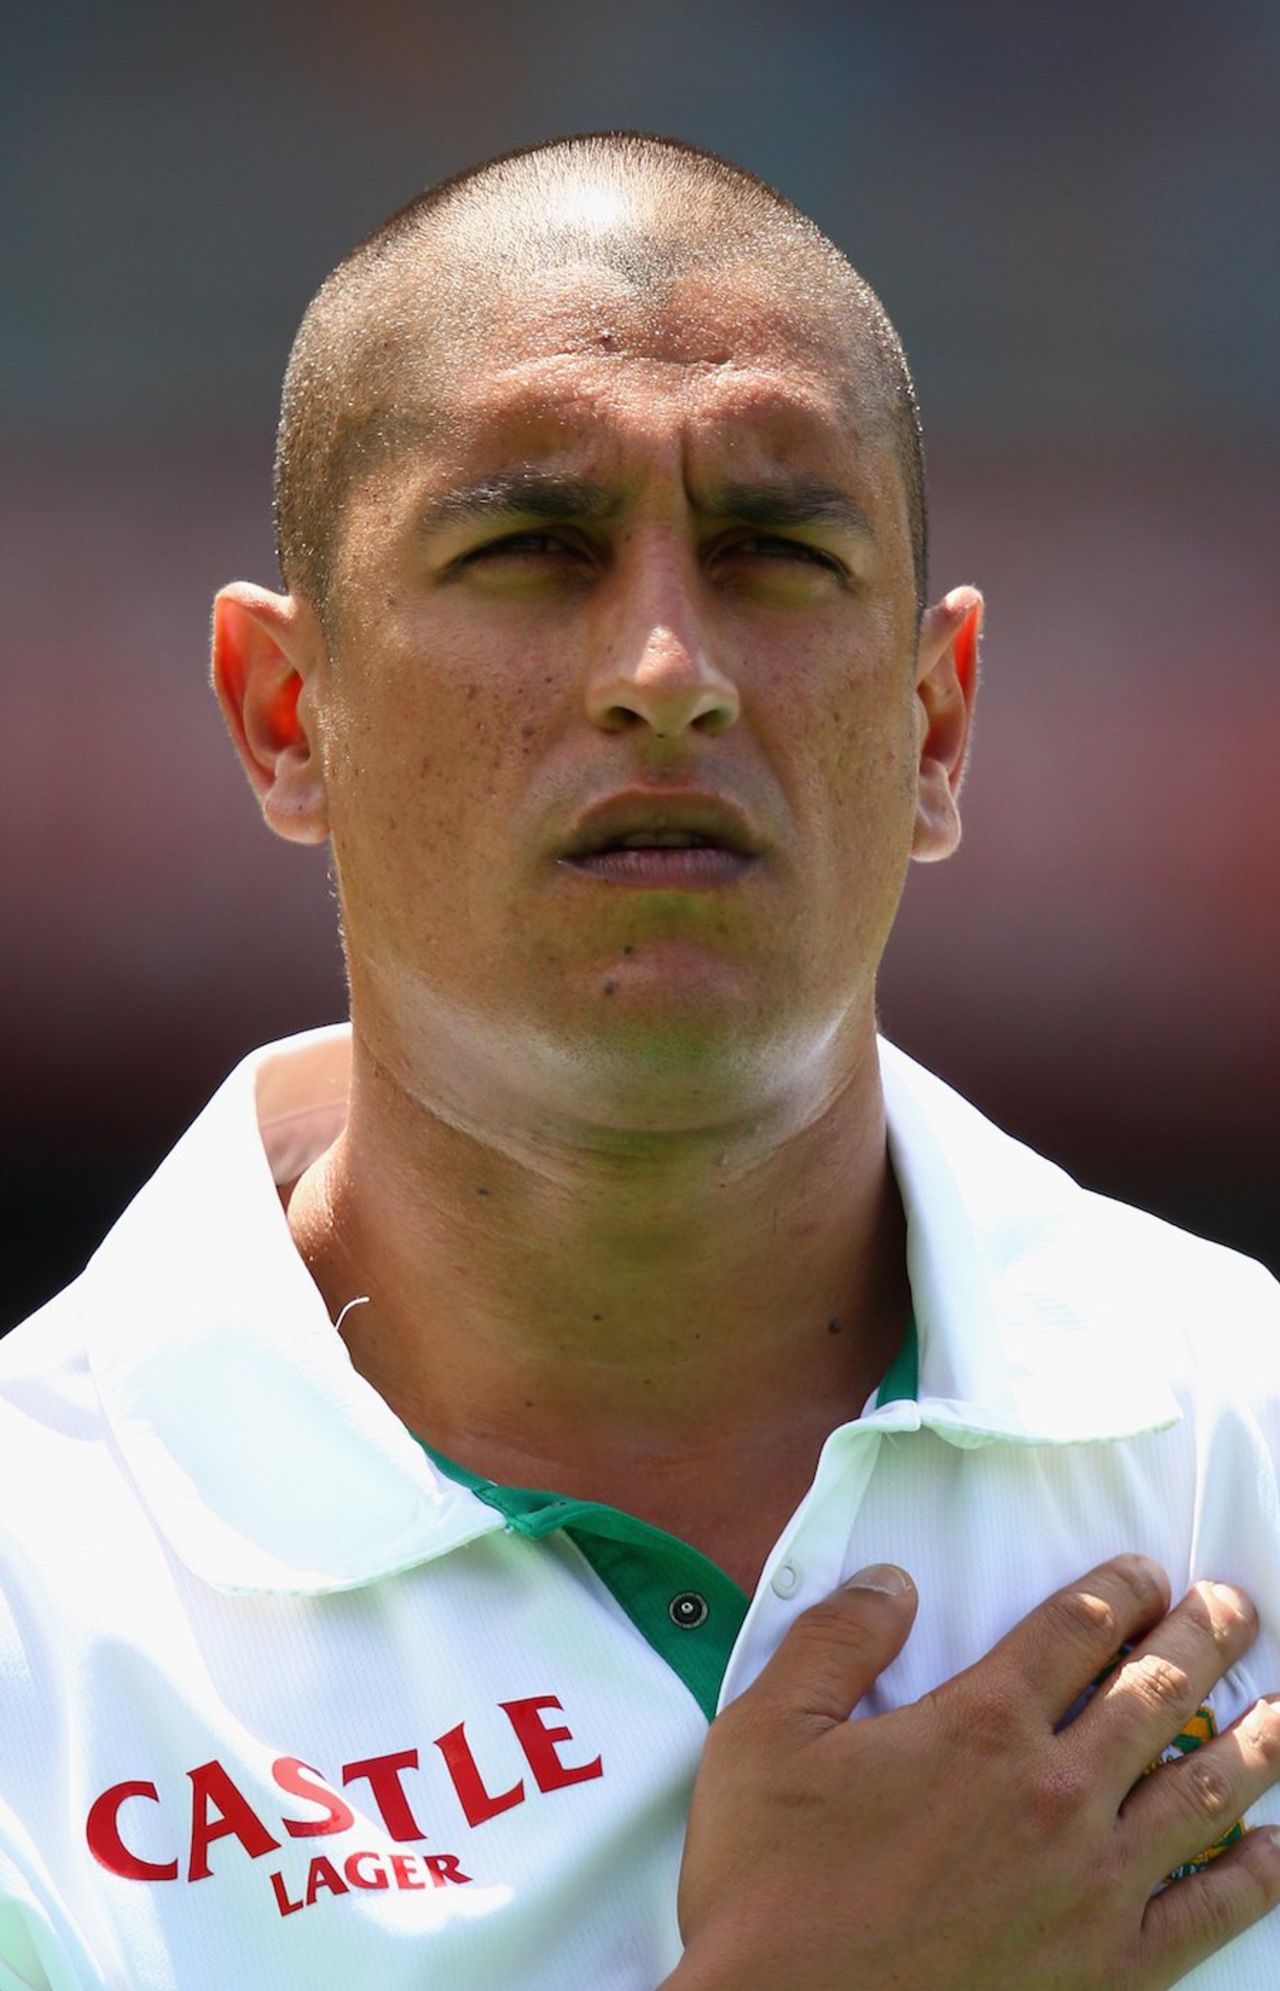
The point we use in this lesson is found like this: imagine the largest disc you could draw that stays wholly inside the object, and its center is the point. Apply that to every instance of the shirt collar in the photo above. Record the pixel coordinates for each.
(268, 1462)
(1033, 1323)
(263, 1455)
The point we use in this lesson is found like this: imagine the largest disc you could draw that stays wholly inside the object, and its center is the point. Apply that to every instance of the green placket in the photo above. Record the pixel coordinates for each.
(681, 1602)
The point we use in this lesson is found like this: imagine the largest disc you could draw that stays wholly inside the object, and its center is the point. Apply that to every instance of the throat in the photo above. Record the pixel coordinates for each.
(676, 1346)
(730, 1502)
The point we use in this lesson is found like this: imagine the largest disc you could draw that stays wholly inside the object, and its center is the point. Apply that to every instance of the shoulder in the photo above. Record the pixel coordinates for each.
(1183, 1267)
(1209, 1315)
(1059, 1263)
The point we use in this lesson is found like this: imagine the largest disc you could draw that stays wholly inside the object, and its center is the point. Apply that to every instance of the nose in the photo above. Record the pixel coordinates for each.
(654, 651)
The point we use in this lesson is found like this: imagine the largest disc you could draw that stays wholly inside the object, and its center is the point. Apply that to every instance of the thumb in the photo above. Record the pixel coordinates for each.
(836, 1650)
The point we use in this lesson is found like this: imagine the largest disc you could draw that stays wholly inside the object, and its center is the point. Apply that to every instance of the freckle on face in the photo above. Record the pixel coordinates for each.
(475, 929)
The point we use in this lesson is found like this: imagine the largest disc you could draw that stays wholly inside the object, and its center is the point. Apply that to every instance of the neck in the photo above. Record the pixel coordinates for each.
(571, 1317)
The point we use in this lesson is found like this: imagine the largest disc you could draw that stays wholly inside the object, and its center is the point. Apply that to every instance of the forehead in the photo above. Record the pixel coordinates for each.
(580, 358)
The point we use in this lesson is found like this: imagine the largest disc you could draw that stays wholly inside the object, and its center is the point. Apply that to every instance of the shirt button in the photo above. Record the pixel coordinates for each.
(688, 1610)
(785, 1580)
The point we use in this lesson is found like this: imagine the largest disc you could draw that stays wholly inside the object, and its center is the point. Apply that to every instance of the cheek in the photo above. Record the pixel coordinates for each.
(860, 738)
(862, 784)
(426, 767)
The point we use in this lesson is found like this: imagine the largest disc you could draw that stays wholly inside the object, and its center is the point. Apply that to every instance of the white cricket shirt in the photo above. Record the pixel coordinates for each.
(286, 1702)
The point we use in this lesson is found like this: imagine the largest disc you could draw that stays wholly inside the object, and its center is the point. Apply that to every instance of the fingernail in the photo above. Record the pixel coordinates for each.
(1232, 1599)
(885, 1577)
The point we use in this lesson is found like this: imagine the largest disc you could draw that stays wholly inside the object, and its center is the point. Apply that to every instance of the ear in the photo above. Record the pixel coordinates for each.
(265, 650)
(946, 686)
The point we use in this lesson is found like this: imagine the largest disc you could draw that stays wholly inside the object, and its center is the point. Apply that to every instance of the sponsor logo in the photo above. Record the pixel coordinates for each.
(216, 1808)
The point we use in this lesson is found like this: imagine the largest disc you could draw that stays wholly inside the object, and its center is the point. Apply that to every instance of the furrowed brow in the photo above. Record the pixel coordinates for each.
(521, 494)
(806, 501)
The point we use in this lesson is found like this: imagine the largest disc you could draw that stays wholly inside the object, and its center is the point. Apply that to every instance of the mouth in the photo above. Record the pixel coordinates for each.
(678, 866)
(677, 843)
(681, 841)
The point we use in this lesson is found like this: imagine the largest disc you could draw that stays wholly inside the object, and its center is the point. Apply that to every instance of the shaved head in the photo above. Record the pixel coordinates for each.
(640, 217)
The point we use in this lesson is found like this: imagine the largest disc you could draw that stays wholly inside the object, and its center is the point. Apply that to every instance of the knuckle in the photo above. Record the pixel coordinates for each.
(1232, 1612)
(1139, 1582)
(1222, 1615)
(1248, 1888)
(1197, 1609)
(1058, 1796)
(1159, 1685)
(1206, 1785)
(1256, 1892)
(1223, 1909)
(1079, 1616)
(827, 1629)
(1235, 1891)
(826, 1620)
(1258, 1860)
(1260, 1729)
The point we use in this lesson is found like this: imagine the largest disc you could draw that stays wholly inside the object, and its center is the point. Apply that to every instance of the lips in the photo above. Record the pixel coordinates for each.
(692, 867)
(648, 819)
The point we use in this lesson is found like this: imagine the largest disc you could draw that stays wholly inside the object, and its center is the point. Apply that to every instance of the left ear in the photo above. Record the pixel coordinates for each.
(264, 655)
(946, 686)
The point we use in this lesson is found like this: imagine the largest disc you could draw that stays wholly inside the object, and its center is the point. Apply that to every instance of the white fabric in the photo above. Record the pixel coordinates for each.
(222, 1557)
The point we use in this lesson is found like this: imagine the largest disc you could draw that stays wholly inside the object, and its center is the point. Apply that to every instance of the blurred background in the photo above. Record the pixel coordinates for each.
(1072, 216)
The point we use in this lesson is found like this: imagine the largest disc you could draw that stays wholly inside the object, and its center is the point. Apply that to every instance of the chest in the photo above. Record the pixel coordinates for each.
(270, 1791)
(477, 1772)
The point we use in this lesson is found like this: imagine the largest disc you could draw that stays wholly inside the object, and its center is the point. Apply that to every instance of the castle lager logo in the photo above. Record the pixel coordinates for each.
(216, 1808)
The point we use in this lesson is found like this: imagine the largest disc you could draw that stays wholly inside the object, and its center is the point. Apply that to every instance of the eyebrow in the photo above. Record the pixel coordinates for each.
(789, 501)
(793, 501)
(521, 494)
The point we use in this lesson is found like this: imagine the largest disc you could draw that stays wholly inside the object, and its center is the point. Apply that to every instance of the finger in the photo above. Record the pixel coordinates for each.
(1158, 1687)
(1183, 1809)
(836, 1650)
(1058, 1650)
(1192, 1920)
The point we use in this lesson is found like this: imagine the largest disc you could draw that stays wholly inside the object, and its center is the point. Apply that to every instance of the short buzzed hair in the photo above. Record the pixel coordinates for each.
(514, 215)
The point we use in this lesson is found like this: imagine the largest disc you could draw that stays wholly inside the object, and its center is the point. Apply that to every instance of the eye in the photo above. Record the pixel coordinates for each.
(523, 545)
(771, 546)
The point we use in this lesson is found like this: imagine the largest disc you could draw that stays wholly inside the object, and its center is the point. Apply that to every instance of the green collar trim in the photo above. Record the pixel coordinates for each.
(901, 1383)
(681, 1602)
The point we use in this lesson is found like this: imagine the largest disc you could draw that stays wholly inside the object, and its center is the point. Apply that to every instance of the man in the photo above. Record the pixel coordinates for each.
(481, 1398)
